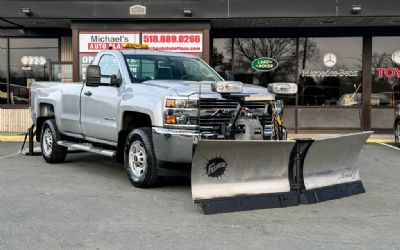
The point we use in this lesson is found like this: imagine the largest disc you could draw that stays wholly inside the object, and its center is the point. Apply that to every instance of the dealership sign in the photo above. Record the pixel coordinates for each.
(90, 42)
(33, 60)
(264, 64)
(389, 72)
(330, 60)
(190, 42)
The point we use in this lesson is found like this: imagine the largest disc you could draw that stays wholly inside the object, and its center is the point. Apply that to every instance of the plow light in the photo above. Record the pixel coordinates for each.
(282, 88)
(227, 87)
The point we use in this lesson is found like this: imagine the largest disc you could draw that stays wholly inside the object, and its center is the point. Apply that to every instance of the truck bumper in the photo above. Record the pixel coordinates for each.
(173, 145)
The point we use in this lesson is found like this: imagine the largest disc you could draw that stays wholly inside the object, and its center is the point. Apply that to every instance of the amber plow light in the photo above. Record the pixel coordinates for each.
(135, 46)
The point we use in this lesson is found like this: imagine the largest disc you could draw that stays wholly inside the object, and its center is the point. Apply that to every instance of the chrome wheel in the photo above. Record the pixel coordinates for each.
(47, 143)
(137, 159)
(397, 134)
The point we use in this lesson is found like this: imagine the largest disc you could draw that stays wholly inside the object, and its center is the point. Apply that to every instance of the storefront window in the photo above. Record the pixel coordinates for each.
(330, 71)
(3, 71)
(385, 71)
(29, 58)
(281, 60)
(222, 55)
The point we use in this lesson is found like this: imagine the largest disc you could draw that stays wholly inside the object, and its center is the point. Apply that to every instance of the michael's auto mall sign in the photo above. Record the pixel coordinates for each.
(91, 42)
(188, 42)
(97, 41)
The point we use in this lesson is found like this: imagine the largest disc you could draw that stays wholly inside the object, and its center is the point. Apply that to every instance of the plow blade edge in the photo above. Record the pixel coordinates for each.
(242, 175)
(329, 171)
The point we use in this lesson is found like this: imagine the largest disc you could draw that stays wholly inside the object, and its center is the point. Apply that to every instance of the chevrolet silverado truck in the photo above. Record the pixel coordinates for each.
(149, 109)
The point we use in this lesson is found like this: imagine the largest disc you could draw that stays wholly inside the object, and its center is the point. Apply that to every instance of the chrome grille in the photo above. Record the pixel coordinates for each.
(216, 114)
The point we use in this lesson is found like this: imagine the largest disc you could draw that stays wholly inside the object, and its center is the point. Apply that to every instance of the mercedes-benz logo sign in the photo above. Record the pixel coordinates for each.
(396, 57)
(330, 60)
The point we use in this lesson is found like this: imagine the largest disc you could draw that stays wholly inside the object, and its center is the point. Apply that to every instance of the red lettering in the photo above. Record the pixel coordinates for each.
(389, 72)
(380, 71)
(397, 72)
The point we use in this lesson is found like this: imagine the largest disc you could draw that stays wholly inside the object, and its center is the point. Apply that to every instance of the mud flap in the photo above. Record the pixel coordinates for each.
(328, 167)
(242, 175)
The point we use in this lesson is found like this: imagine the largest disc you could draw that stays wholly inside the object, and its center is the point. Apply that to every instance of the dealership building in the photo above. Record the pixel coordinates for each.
(343, 54)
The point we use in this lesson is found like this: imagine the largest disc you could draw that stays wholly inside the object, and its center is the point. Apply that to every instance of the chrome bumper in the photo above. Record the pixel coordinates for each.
(174, 145)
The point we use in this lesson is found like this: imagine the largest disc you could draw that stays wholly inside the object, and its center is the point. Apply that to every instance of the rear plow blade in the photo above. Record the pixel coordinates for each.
(232, 176)
(329, 170)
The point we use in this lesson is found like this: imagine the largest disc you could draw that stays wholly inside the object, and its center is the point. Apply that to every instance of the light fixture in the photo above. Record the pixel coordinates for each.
(356, 9)
(187, 12)
(26, 11)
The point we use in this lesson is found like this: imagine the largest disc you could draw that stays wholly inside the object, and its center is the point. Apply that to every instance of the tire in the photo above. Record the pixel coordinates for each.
(139, 159)
(397, 133)
(51, 151)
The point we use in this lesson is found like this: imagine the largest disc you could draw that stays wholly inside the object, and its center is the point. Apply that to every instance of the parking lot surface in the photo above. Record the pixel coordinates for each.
(88, 203)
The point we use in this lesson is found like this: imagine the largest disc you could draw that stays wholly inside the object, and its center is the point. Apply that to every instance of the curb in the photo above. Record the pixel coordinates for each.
(20, 138)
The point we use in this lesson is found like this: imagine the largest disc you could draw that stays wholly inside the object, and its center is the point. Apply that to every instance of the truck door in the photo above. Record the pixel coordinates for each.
(100, 104)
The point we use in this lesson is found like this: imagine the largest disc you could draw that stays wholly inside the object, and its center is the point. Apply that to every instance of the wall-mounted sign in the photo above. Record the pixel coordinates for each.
(137, 10)
(264, 64)
(33, 60)
(396, 57)
(91, 42)
(97, 41)
(330, 60)
(191, 42)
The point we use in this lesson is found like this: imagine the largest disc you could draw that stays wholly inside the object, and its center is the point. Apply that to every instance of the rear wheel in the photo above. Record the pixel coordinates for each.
(139, 158)
(397, 133)
(51, 151)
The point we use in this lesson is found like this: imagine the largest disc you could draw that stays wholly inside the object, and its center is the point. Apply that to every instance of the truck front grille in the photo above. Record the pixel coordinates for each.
(216, 114)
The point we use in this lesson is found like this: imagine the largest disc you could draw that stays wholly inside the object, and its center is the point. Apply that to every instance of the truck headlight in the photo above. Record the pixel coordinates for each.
(181, 112)
(180, 103)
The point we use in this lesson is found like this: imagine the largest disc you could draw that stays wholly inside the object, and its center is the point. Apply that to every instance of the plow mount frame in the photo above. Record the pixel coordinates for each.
(298, 193)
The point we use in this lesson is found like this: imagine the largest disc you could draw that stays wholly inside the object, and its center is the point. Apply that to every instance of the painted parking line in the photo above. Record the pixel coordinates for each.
(10, 155)
(390, 146)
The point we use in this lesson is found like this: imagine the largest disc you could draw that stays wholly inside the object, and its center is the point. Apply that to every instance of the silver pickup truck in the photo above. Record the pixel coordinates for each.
(149, 109)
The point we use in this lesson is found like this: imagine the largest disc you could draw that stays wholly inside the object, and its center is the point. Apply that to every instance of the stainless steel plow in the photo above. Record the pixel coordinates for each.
(230, 175)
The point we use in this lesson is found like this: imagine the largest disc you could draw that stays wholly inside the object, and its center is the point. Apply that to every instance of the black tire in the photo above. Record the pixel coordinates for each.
(397, 133)
(146, 176)
(54, 153)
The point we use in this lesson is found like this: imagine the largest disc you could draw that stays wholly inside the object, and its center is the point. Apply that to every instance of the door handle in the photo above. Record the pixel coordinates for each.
(88, 93)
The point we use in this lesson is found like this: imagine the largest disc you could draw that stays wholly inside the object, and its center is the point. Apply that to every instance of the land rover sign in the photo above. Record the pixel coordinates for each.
(264, 64)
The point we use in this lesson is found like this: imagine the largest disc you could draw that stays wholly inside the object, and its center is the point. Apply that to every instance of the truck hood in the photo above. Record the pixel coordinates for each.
(202, 89)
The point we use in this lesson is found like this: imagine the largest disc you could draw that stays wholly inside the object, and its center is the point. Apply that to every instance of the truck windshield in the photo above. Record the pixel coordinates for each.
(154, 67)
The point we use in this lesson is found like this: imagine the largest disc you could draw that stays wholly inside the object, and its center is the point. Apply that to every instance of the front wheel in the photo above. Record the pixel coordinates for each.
(397, 134)
(51, 151)
(139, 158)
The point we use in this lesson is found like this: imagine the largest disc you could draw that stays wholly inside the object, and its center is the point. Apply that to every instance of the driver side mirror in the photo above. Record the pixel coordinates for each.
(229, 75)
(93, 75)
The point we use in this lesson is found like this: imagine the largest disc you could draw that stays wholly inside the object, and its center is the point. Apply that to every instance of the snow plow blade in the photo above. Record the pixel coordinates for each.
(329, 170)
(232, 175)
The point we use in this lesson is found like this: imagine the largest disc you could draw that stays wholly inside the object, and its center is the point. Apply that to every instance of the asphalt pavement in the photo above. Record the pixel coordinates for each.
(88, 203)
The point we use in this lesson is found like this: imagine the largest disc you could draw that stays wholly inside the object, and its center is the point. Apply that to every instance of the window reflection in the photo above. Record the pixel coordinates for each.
(385, 71)
(222, 55)
(3, 71)
(330, 71)
(29, 59)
